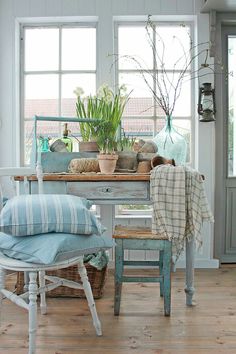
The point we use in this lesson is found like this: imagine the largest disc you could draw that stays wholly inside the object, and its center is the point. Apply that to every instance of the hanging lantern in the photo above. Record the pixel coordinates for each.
(206, 103)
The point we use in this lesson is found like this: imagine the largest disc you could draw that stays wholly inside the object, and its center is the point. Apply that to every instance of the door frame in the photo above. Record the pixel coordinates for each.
(223, 21)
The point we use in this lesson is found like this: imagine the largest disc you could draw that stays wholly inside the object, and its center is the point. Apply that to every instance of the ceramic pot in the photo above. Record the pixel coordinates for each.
(107, 162)
(127, 160)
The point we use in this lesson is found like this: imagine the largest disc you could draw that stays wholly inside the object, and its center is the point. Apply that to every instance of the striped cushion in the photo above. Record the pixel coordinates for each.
(26, 215)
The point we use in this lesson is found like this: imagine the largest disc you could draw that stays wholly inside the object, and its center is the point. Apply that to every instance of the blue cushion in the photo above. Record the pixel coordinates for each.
(42, 213)
(49, 248)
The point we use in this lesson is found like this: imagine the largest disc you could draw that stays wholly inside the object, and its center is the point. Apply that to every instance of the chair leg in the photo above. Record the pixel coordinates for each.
(2, 285)
(161, 272)
(89, 296)
(119, 267)
(43, 305)
(167, 278)
(33, 289)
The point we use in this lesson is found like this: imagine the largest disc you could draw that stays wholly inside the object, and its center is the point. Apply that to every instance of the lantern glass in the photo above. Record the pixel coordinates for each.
(206, 103)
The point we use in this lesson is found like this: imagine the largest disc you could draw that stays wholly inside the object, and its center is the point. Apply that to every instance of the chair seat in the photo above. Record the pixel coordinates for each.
(137, 232)
(17, 265)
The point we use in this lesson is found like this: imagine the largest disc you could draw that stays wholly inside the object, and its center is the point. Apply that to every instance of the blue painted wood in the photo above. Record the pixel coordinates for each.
(110, 190)
(164, 263)
(56, 162)
(161, 272)
(142, 279)
(119, 262)
(167, 278)
(142, 263)
(147, 244)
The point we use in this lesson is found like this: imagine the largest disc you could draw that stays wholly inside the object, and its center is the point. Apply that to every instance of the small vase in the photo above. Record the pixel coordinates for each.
(107, 163)
(171, 144)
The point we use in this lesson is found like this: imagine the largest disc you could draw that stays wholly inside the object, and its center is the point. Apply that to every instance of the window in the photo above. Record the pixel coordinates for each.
(55, 60)
(142, 118)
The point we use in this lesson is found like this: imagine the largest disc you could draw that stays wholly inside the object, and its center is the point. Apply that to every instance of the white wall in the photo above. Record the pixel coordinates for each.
(11, 10)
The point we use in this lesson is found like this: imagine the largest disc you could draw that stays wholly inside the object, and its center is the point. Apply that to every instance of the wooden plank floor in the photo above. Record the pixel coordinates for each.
(209, 327)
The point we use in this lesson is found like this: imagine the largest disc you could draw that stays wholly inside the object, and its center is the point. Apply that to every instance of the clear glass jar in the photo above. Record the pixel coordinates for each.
(171, 144)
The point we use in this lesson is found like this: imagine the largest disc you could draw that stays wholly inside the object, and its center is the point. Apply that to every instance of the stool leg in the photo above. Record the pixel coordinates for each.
(161, 272)
(43, 305)
(2, 286)
(119, 267)
(33, 289)
(167, 278)
(89, 295)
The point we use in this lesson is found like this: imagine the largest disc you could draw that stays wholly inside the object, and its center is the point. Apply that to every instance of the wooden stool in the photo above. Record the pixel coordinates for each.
(142, 238)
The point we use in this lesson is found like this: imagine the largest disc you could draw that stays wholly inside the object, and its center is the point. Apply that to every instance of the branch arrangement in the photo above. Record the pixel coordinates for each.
(166, 84)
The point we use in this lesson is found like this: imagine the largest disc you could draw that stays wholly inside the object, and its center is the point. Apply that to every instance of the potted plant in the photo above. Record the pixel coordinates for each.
(87, 107)
(107, 108)
(113, 105)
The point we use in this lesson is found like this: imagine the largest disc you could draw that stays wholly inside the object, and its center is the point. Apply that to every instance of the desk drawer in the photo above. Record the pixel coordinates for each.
(108, 191)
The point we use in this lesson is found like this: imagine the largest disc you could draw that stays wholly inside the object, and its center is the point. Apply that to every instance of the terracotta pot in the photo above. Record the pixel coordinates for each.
(90, 146)
(107, 162)
(160, 160)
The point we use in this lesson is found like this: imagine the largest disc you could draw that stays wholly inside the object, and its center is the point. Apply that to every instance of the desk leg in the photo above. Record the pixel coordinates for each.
(189, 288)
(107, 213)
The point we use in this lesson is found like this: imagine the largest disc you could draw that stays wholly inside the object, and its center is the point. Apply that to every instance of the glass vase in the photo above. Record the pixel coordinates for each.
(171, 144)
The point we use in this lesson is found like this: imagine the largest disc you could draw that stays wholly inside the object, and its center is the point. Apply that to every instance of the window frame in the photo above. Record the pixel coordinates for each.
(154, 118)
(48, 24)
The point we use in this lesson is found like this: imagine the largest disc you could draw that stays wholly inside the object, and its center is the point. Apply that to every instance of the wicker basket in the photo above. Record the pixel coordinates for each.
(96, 277)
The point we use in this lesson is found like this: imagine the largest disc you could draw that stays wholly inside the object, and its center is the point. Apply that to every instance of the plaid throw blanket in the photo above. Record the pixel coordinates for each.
(179, 205)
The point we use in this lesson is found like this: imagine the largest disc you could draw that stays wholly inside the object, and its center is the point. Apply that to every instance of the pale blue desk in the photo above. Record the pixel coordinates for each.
(107, 191)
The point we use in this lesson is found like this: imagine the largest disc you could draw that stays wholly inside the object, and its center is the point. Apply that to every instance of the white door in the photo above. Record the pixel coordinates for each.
(225, 225)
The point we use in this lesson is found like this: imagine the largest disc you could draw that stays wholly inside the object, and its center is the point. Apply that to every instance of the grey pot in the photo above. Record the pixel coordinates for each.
(127, 161)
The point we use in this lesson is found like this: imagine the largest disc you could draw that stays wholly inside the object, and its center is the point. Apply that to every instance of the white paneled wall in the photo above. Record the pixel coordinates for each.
(12, 11)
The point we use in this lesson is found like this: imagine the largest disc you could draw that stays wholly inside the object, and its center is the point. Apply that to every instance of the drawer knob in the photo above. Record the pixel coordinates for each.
(107, 190)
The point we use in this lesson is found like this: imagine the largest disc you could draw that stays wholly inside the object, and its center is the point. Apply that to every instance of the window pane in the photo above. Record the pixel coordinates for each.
(140, 103)
(133, 43)
(138, 128)
(170, 86)
(172, 46)
(135, 209)
(78, 49)
(41, 49)
(69, 83)
(41, 95)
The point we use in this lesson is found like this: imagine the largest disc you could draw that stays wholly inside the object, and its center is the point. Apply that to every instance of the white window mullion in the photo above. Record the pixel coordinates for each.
(60, 79)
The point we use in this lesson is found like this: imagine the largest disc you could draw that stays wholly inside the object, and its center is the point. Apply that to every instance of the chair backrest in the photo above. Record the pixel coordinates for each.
(19, 171)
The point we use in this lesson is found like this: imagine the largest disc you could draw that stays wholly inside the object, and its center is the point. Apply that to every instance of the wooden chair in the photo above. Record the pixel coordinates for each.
(142, 238)
(28, 300)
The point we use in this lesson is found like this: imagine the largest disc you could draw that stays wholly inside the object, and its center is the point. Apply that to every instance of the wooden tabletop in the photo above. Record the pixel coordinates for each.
(89, 177)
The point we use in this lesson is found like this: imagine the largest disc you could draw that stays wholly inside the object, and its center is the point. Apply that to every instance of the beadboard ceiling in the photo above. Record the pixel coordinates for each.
(219, 5)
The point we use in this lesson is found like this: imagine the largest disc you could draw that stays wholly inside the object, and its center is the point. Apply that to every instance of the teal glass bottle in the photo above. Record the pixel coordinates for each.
(171, 144)
(44, 144)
